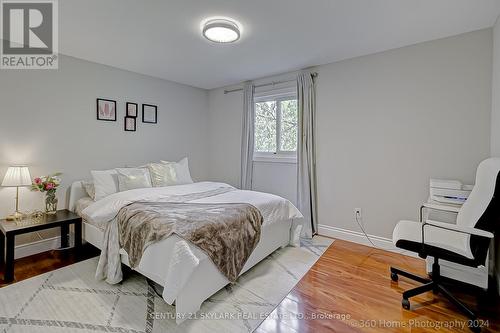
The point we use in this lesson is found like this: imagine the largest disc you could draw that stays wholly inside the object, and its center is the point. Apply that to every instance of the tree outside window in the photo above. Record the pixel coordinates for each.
(276, 126)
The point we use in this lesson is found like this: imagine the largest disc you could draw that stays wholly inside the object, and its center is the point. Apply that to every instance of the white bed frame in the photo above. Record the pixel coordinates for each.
(206, 280)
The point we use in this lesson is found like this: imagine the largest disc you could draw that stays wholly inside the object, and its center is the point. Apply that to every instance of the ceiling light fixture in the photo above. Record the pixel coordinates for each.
(221, 31)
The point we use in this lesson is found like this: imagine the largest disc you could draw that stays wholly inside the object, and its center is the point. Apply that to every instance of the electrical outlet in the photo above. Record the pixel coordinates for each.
(357, 215)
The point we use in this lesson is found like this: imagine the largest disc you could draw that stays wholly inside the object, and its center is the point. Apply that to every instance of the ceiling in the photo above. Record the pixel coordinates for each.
(162, 38)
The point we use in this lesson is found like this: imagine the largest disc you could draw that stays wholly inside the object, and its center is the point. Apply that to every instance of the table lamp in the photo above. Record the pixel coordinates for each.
(17, 176)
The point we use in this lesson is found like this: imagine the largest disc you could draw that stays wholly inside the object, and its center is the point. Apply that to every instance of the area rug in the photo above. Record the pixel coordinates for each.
(71, 300)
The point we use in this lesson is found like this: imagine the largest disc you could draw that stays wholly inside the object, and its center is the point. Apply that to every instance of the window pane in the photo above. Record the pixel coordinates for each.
(289, 119)
(265, 126)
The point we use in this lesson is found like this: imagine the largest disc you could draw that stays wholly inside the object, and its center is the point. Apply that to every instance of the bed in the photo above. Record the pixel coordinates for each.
(188, 276)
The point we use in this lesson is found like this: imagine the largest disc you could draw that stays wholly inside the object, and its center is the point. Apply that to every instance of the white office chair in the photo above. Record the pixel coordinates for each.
(465, 242)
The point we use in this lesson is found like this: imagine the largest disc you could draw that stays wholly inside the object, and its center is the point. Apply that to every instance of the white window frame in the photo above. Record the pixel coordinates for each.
(280, 155)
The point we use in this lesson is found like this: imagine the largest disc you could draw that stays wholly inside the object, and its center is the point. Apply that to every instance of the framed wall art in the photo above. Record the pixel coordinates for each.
(149, 114)
(130, 124)
(132, 109)
(106, 109)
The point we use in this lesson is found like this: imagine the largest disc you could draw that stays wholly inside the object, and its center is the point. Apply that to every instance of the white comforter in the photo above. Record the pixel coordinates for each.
(172, 260)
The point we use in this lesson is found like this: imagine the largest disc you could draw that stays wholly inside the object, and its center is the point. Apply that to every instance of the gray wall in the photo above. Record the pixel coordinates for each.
(390, 121)
(48, 121)
(386, 123)
(495, 120)
(225, 125)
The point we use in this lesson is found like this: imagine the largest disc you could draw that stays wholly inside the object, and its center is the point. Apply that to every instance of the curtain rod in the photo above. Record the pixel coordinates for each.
(315, 74)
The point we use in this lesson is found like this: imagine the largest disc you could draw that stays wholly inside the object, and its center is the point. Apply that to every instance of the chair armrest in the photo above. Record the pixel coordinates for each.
(442, 207)
(458, 228)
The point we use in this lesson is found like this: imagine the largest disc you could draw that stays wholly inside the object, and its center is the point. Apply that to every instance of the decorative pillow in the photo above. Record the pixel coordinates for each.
(105, 183)
(181, 170)
(133, 178)
(89, 188)
(162, 174)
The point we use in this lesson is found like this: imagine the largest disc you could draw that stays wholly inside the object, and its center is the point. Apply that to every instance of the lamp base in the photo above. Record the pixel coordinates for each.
(15, 216)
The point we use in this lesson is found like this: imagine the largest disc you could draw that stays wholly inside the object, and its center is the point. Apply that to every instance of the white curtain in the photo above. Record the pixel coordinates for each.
(247, 138)
(306, 153)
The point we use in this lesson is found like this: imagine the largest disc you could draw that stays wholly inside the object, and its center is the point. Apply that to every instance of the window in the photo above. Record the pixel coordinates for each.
(276, 127)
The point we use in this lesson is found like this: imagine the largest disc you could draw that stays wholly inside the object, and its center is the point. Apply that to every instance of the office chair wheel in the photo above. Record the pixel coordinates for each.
(406, 304)
(394, 277)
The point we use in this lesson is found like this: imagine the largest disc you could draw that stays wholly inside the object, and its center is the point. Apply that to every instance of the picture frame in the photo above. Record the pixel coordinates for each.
(106, 109)
(149, 114)
(132, 109)
(130, 124)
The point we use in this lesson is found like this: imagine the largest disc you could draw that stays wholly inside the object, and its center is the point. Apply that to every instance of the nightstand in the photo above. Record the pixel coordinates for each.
(10, 229)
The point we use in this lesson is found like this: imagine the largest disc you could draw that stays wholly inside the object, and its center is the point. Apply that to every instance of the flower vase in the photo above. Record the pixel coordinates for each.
(50, 203)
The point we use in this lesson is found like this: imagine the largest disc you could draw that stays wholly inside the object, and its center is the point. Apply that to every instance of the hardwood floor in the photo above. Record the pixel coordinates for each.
(37, 264)
(349, 290)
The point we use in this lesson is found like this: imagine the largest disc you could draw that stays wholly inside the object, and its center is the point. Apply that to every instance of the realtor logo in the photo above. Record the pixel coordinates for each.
(29, 34)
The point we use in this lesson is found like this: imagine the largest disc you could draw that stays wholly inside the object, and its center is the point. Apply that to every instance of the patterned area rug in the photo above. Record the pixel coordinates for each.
(71, 300)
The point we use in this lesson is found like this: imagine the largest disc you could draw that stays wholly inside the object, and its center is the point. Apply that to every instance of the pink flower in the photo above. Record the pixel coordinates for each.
(38, 180)
(49, 186)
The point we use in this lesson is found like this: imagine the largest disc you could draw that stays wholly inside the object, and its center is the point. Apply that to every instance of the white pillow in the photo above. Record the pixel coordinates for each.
(162, 174)
(132, 178)
(181, 170)
(89, 188)
(105, 183)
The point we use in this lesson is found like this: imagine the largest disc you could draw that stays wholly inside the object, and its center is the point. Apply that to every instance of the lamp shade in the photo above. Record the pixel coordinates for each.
(17, 176)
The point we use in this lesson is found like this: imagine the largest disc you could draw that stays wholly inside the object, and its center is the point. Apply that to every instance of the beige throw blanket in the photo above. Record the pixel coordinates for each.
(227, 233)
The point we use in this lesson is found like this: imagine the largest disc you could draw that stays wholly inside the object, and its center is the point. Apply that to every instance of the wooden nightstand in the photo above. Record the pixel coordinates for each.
(10, 229)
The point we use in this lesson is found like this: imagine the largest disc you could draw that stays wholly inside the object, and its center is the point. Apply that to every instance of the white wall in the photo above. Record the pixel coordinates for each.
(495, 96)
(276, 178)
(48, 121)
(386, 123)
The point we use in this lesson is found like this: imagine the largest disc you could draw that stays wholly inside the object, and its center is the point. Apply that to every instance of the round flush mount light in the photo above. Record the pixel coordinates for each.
(221, 31)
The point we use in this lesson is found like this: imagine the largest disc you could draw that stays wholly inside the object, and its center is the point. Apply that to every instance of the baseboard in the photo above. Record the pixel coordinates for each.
(360, 238)
(43, 245)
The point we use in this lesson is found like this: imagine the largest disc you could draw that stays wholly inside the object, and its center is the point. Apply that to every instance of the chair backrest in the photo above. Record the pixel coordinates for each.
(482, 193)
(482, 208)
